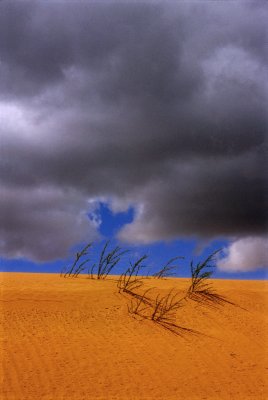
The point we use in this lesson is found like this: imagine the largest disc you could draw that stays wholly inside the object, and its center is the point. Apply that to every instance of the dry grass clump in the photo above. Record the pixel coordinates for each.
(130, 280)
(168, 269)
(165, 306)
(139, 304)
(200, 290)
(161, 310)
(107, 261)
(77, 268)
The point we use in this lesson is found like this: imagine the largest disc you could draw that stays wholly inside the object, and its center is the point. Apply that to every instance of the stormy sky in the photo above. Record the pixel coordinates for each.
(159, 106)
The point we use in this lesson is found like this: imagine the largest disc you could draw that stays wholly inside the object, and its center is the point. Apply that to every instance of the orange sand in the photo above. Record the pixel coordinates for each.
(73, 339)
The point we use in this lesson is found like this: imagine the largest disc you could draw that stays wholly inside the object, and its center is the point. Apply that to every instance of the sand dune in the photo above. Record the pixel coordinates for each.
(74, 339)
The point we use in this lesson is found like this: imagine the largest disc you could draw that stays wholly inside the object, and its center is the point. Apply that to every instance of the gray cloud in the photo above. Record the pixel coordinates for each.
(43, 223)
(160, 106)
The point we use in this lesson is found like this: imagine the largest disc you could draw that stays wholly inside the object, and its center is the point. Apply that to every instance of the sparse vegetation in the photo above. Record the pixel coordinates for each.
(107, 261)
(165, 306)
(161, 309)
(77, 268)
(200, 290)
(130, 280)
(139, 303)
(164, 312)
(168, 269)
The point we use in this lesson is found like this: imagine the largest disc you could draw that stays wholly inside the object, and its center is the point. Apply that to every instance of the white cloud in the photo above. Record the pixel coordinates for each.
(246, 254)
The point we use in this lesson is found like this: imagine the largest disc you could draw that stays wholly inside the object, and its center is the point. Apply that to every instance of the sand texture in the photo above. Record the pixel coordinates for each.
(74, 339)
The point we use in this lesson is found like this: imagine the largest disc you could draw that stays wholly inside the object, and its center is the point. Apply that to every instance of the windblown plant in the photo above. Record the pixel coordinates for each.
(163, 308)
(164, 312)
(200, 290)
(139, 303)
(130, 280)
(107, 261)
(77, 268)
(168, 269)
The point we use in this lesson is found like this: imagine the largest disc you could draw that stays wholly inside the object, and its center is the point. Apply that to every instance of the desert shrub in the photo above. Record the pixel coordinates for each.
(130, 280)
(78, 265)
(107, 261)
(168, 269)
(139, 303)
(165, 306)
(200, 290)
(162, 310)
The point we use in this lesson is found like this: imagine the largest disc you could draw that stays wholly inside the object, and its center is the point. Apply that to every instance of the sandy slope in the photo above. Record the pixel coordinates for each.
(73, 339)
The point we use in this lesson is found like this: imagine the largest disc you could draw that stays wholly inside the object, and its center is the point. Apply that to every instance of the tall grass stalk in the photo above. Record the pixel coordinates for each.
(200, 290)
(168, 269)
(107, 261)
(76, 268)
(130, 280)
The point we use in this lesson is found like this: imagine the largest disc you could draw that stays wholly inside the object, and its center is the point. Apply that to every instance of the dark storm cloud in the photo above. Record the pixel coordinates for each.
(43, 223)
(160, 106)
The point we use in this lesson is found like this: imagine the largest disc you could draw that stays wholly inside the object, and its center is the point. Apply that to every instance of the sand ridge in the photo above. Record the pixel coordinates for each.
(74, 339)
